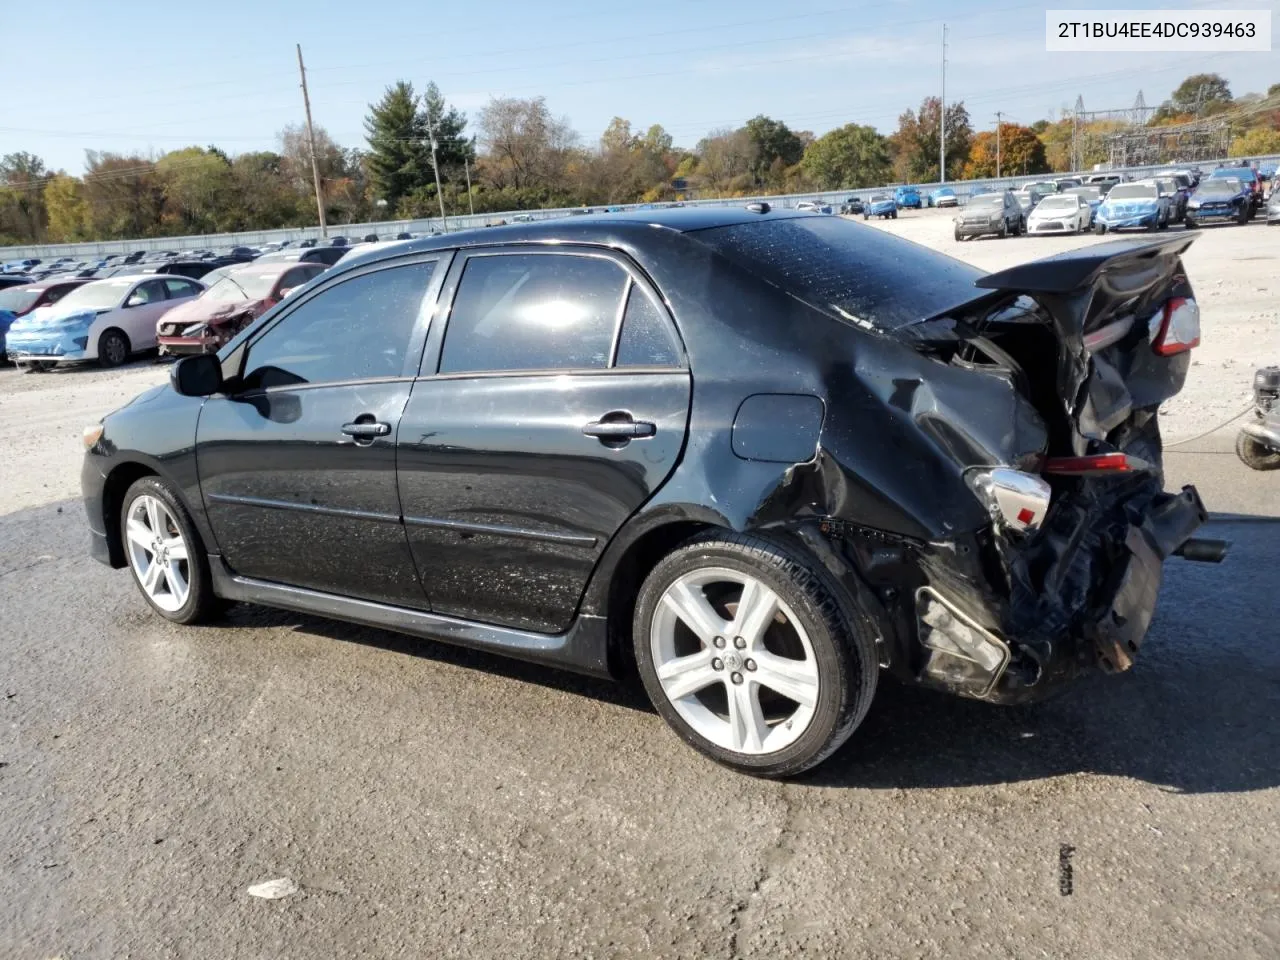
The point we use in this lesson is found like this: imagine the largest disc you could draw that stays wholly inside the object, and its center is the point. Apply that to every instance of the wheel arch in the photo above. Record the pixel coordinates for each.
(116, 483)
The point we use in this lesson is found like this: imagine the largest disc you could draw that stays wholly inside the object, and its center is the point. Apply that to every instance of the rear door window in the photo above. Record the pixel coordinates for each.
(534, 312)
(181, 288)
(862, 275)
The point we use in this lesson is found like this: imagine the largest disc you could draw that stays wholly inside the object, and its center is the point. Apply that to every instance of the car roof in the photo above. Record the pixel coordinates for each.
(589, 228)
(271, 266)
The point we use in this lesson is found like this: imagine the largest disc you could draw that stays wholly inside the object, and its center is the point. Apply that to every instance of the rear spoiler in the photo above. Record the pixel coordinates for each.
(1070, 271)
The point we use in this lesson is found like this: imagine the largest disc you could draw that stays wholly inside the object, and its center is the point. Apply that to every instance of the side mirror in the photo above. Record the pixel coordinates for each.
(198, 376)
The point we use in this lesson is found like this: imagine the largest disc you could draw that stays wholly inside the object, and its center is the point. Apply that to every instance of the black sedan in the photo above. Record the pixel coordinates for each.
(761, 455)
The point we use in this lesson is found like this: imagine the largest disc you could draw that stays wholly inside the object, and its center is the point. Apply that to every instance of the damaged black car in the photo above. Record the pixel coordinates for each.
(762, 457)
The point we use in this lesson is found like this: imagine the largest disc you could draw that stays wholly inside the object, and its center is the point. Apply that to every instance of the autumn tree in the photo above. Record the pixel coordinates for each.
(774, 147)
(22, 209)
(916, 141)
(1019, 151)
(847, 157)
(525, 146)
(67, 209)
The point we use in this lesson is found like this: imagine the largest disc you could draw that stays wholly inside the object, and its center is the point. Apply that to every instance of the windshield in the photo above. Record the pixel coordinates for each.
(1132, 191)
(99, 295)
(1058, 203)
(857, 273)
(1218, 188)
(987, 200)
(242, 285)
(18, 299)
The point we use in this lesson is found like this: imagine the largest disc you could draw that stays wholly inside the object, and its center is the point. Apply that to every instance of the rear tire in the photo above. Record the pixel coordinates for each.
(774, 700)
(1100, 229)
(113, 348)
(1255, 454)
(1243, 216)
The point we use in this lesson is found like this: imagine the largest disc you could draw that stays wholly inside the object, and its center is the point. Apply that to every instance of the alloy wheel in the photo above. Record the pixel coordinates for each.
(734, 661)
(158, 553)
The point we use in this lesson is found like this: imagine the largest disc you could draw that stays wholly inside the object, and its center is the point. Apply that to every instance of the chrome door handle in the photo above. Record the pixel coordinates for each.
(619, 429)
(366, 431)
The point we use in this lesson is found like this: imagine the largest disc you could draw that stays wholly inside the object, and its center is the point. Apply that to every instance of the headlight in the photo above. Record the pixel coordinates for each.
(1193, 204)
(92, 434)
(81, 321)
(194, 329)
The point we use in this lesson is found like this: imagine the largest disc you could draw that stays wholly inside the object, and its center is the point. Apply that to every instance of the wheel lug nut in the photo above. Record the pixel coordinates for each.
(740, 643)
(735, 677)
(751, 665)
(719, 642)
(717, 664)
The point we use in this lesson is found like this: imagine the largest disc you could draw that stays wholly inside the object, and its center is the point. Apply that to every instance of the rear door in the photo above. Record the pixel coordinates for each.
(553, 404)
(297, 459)
(144, 306)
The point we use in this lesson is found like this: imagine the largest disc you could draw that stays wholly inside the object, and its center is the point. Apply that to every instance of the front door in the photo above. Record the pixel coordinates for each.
(297, 460)
(557, 406)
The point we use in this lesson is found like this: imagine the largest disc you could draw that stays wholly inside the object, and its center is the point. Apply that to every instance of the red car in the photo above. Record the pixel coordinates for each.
(239, 296)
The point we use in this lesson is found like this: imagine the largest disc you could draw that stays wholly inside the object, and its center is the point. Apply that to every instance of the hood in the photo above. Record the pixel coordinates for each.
(1137, 204)
(201, 310)
(55, 317)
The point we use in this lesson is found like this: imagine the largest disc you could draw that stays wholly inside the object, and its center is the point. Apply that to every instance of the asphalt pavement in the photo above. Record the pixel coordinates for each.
(434, 802)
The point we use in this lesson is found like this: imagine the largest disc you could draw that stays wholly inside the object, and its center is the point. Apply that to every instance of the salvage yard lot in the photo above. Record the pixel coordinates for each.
(438, 802)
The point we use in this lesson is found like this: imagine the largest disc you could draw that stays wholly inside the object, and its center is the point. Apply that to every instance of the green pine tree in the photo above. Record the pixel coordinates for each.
(399, 158)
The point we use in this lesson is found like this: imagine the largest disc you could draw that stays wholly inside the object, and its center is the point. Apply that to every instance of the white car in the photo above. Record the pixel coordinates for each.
(1059, 213)
(812, 206)
(106, 320)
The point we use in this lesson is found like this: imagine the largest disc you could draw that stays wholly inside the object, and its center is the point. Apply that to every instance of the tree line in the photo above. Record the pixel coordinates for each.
(515, 154)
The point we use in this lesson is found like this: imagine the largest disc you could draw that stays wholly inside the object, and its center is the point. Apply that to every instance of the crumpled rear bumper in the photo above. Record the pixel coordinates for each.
(1025, 647)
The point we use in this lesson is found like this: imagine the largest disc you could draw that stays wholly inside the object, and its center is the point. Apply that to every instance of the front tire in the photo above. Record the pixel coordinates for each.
(1256, 455)
(164, 552)
(113, 348)
(1100, 229)
(747, 653)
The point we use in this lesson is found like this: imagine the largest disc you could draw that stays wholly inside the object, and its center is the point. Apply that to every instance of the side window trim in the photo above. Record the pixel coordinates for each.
(433, 352)
(617, 324)
(233, 362)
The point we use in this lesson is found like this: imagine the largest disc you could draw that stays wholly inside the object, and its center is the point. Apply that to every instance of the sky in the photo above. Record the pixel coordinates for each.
(146, 77)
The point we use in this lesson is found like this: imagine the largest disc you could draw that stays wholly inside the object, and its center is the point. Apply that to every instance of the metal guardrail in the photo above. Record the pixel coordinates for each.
(386, 229)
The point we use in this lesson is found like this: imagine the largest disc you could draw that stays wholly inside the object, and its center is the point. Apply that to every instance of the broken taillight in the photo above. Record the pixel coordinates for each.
(1176, 328)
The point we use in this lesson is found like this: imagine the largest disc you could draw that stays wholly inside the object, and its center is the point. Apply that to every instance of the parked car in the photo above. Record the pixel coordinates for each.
(103, 320)
(880, 205)
(19, 266)
(13, 280)
(326, 255)
(1045, 187)
(1028, 197)
(1258, 442)
(1060, 213)
(338, 241)
(942, 197)
(1133, 205)
(1273, 207)
(1104, 181)
(1247, 176)
(194, 269)
(19, 300)
(852, 205)
(309, 242)
(813, 206)
(1092, 196)
(907, 197)
(1219, 198)
(997, 214)
(1066, 183)
(405, 235)
(244, 293)
(528, 217)
(981, 191)
(759, 546)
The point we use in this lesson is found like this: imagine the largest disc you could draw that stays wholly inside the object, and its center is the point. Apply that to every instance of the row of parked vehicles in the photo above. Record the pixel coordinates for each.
(1068, 205)
(179, 303)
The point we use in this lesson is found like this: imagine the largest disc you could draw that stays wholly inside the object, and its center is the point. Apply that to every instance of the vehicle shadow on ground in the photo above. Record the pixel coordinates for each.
(1197, 714)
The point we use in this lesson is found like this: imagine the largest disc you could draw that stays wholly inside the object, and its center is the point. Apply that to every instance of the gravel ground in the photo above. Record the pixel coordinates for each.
(436, 802)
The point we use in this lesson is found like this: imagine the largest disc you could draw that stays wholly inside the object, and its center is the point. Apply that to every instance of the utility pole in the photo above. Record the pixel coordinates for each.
(466, 167)
(998, 116)
(431, 132)
(311, 138)
(942, 114)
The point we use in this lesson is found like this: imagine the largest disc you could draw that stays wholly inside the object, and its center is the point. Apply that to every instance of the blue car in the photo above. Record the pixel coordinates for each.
(943, 197)
(1133, 205)
(907, 197)
(880, 205)
(1219, 198)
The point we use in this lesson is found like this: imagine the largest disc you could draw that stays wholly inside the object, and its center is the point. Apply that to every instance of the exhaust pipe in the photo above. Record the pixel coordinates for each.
(1203, 550)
